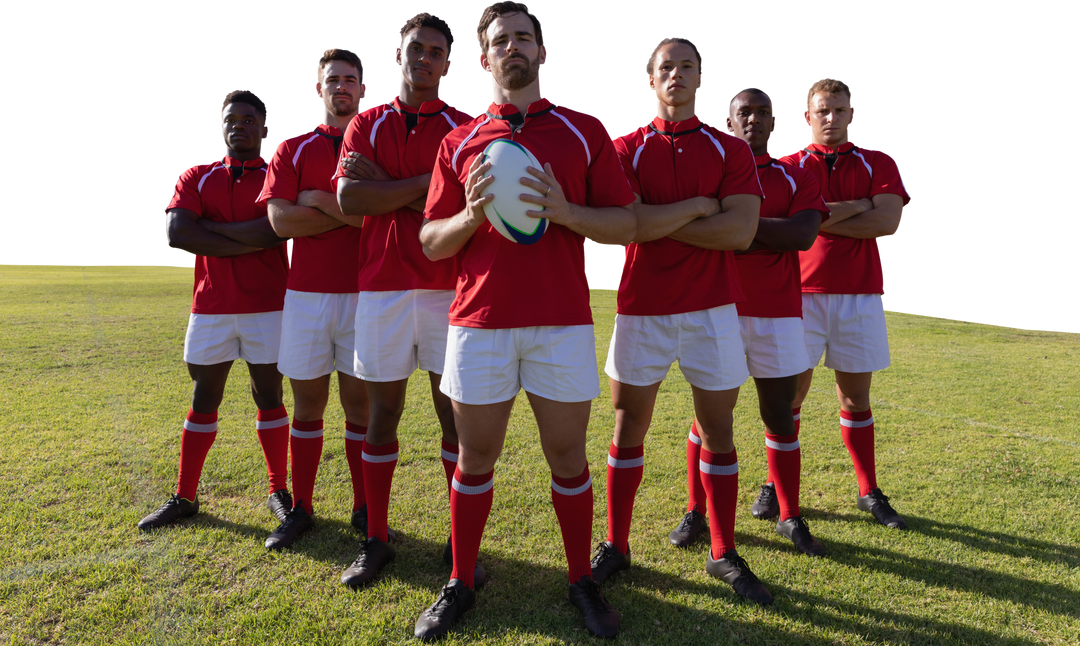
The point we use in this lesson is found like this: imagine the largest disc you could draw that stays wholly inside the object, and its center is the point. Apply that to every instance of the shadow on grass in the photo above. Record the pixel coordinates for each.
(996, 542)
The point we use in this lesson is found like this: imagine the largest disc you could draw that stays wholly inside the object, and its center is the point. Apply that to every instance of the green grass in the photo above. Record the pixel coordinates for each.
(978, 446)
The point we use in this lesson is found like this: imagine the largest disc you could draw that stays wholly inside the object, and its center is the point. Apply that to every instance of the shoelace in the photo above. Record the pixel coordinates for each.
(604, 552)
(686, 524)
(446, 599)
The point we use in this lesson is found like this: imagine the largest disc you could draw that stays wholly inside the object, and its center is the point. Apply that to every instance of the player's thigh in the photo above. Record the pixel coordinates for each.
(353, 394)
(481, 434)
(815, 318)
(562, 427)
(432, 311)
(385, 342)
(776, 399)
(307, 331)
(211, 339)
(310, 397)
(853, 390)
(266, 387)
(713, 411)
(711, 354)
(775, 347)
(559, 362)
(858, 339)
(482, 366)
(633, 412)
(260, 337)
(642, 349)
(208, 385)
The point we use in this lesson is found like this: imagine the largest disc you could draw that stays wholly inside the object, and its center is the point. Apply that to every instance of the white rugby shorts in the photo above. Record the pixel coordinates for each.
(849, 329)
(491, 366)
(775, 347)
(217, 338)
(317, 334)
(398, 332)
(707, 344)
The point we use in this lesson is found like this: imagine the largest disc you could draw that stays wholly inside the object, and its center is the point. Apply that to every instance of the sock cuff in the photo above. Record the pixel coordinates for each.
(472, 484)
(782, 442)
(355, 428)
(864, 416)
(572, 483)
(386, 451)
(627, 452)
(448, 447)
(201, 418)
(720, 459)
(316, 425)
(796, 413)
(272, 414)
(694, 437)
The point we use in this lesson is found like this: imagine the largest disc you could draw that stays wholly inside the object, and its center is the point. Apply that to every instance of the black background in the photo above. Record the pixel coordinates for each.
(949, 258)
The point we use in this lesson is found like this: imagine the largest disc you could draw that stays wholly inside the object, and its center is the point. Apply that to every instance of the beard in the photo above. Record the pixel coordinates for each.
(341, 110)
(517, 77)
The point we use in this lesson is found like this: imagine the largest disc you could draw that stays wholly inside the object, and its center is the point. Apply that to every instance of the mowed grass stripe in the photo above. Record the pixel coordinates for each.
(977, 446)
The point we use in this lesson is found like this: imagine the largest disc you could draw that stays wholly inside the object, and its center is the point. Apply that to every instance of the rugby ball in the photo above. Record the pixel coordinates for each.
(506, 212)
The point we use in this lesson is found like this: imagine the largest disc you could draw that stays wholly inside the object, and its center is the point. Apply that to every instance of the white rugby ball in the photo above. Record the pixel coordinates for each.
(506, 212)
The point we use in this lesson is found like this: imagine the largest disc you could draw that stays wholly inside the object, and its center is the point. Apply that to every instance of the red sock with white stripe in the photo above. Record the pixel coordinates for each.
(796, 416)
(470, 505)
(696, 501)
(720, 477)
(785, 464)
(305, 444)
(573, 502)
(857, 429)
(354, 450)
(200, 430)
(379, 465)
(272, 427)
(624, 472)
(449, 463)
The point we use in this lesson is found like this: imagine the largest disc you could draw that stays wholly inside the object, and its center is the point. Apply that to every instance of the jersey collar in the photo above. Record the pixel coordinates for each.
(427, 108)
(676, 128)
(764, 161)
(328, 131)
(503, 111)
(818, 149)
(251, 164)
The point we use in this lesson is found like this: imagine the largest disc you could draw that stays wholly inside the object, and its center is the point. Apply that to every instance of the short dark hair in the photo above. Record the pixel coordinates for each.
(827, 86)
(751, 90)
(501, 9)
(244, 96)
(345, 56)
(668, 41)
(428, 20)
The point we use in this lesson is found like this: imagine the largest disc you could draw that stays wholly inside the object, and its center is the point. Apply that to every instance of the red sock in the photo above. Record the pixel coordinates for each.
(272, 426)
(305, 442)
(857, 429)
(720, 477)
(785, 464)
(200, 430)
(354, 449)
(449, 462)
(796, 416)
(379, 465)
(624, 472)
(470, 504)
(573, 502)
(693, 472)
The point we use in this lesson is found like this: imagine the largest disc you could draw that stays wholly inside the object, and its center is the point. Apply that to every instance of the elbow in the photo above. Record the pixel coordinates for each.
(746, 235)
(629, 234)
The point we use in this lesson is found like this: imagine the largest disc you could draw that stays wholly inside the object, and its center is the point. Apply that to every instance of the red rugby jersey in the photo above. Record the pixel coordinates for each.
(226, 191)
(325, 263)
(770, 279)
(391, 257)
(503, 284)
(669, 162)
(837, 264)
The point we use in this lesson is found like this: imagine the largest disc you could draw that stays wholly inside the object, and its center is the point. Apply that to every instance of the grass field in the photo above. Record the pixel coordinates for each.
(978, 446)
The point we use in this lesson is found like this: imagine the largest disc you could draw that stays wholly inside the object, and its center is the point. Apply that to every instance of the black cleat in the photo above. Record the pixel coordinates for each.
(296, 523)
(601, 619)
(374, 555)
(733, 569)
(607, 561)
(796, 529)
(454, 600)
(174, 509)
(479, 573)
(689, 529)
(767, 505)
(280, 504)
(877, 504)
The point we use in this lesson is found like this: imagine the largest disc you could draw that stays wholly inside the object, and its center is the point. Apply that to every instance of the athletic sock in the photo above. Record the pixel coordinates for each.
(200, 430)
(720, 477)
(696, 501)
(272, 427)
(354, 449)
(470, 505)
(624, 472)
(785, 464)
(796, 416)
(379, 465)
(449, 463)
(305, 449)
(573, 502)
(857, 429)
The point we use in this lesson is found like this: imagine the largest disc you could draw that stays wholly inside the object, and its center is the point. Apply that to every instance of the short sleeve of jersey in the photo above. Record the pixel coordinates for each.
(607, 181)
(740, 172)
(446, 195)
(281, 179)
(807, 194)
(623, 147)
(886, 177)
(355, 141)
(186, 195)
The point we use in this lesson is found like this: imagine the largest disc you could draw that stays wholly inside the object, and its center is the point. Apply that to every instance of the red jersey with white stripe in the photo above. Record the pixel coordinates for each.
(404, 142)
(325, 263)
(503, 284)
(838, 264)
(668, 162)
(770, 279)
(226, 191)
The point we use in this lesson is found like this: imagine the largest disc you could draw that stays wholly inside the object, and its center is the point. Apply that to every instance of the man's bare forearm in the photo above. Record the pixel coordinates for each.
(184, 232)
(294, 221)
(882, 220)
(444, 238)
(363, 197)
(655, 221)
(254, 233)
(731, 229)
(796, 233)
(840, 211)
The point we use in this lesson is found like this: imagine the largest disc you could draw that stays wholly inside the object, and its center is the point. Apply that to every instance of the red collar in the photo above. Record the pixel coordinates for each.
(842, 149)
(427, 108)
(676, 128)
(504, 110)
